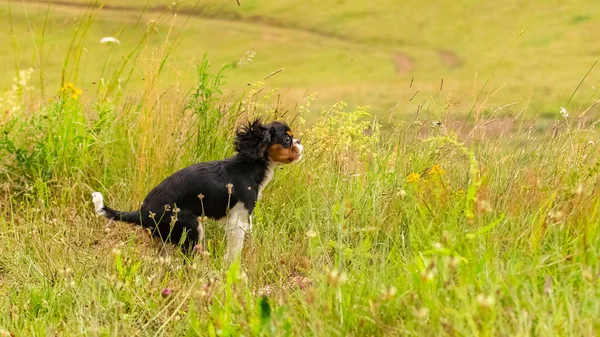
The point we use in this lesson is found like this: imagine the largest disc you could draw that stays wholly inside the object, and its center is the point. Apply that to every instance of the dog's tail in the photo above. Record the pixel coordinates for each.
(101, 209)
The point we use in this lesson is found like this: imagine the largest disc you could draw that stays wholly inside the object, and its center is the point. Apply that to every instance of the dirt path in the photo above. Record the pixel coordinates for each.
(402, 62)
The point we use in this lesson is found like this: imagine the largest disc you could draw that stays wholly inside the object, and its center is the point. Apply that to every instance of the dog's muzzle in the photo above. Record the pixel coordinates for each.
(297, 148)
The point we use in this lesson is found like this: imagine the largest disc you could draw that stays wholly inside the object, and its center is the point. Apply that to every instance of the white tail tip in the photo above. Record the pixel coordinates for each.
(98, 201)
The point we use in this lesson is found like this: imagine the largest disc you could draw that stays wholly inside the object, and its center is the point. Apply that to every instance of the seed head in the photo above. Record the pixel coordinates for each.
(548, 285)
(587, 274)
(335, 278)
(579, 190)
(311, 233)
(229, 188)
(422, 313)
(453, 262)
(428, 275)
(556, 215)
(563, 112)
(486, 301)
(389, 293)
(484, 206)
(247, 58)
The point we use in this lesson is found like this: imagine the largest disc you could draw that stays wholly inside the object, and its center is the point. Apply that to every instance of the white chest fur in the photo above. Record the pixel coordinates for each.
(269, 172)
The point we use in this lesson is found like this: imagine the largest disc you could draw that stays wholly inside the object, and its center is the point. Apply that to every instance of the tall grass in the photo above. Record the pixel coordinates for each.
(405, 228)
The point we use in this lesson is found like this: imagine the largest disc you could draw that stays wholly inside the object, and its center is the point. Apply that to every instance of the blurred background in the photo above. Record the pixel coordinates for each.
(398, 57)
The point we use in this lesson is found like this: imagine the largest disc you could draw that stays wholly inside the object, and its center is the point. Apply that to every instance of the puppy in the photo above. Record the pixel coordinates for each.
(224, 190)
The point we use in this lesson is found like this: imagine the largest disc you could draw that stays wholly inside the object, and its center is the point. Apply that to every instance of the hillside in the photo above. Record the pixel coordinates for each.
(362, 52)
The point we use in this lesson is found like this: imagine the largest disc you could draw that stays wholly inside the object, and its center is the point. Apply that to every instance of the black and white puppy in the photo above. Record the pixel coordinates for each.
(224, 190)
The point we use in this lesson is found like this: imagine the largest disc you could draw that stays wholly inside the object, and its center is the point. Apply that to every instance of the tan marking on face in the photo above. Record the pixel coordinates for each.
(278, 153)
(290, 134)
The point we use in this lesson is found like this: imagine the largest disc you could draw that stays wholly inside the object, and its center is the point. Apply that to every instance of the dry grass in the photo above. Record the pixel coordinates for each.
(389, 226)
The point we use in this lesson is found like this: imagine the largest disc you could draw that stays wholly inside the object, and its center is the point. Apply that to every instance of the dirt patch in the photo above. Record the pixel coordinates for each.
(402, 62)
(449, 58)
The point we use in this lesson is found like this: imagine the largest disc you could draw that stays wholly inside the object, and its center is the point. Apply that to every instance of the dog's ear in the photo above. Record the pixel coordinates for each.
(251, 140)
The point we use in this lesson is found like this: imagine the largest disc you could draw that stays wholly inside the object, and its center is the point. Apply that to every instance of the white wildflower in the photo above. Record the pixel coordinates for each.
(247, 58)
(109, 39)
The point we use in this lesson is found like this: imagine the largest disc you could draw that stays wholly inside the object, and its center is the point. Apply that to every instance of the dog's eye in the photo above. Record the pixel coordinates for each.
(288, 139)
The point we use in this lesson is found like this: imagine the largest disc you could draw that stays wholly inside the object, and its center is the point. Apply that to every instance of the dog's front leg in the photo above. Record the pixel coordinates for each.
(235, 242)
(237, 226)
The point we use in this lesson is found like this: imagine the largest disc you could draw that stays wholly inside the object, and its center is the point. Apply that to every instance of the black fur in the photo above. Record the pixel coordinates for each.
(245, 171)
(252, 140)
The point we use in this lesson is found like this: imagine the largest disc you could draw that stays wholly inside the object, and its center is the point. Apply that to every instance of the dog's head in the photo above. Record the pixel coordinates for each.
(273, 142)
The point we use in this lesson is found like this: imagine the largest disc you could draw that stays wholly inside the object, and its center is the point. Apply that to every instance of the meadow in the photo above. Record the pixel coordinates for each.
(426, 217)
(532, 53)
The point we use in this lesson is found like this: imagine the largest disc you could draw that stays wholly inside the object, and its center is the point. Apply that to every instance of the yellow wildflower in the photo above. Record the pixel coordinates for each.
(71, 90)
(437, 169)
(413, 177)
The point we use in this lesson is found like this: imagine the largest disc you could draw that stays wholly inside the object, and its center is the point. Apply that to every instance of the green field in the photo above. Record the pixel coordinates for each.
(365, 53)
(391, 225)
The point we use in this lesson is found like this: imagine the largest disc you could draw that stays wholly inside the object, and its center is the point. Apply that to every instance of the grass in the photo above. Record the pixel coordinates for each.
(389, 226)
(361, 53)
